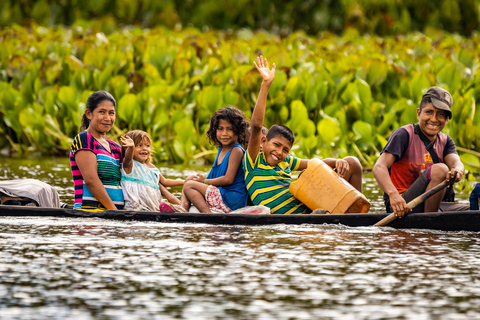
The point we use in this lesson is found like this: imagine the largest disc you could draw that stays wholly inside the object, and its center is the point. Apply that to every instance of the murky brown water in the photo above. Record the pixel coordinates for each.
(53, 268)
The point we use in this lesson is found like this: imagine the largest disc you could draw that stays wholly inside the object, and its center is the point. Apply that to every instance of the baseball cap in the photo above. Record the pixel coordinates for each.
(441, 99)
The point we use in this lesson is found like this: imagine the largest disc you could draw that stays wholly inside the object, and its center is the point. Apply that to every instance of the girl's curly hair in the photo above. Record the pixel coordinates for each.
(138, 136)
(236, 118)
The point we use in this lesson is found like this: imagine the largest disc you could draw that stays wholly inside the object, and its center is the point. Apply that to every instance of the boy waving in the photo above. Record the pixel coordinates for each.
(267, 164)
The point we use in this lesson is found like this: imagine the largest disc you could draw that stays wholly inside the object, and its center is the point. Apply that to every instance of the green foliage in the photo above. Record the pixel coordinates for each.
(382, 17)
(340, 95)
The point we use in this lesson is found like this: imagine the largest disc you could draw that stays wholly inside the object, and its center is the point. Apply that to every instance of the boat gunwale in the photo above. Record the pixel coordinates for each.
(445, 221)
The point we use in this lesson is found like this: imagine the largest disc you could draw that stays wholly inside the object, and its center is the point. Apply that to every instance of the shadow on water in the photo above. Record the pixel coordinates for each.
(54, 268)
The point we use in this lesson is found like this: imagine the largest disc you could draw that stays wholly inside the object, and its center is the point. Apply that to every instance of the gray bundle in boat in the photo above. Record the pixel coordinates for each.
(30, 190)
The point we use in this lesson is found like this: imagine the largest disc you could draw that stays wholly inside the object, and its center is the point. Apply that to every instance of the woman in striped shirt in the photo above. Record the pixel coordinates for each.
(96, 161)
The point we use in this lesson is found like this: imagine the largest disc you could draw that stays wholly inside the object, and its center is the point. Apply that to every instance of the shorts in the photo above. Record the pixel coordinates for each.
(417, 188)
(214, 200)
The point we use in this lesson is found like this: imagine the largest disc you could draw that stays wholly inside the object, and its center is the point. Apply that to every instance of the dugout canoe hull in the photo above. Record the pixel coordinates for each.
(445, 221)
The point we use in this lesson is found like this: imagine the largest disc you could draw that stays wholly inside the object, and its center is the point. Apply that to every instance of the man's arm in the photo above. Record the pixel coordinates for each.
(258, 114)
(380, 172)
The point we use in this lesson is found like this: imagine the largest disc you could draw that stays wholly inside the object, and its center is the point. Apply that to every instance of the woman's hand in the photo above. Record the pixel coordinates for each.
(262, 67)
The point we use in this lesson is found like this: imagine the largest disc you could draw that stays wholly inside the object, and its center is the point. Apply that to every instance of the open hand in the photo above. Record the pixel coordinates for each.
(127, 142)
(262, 67)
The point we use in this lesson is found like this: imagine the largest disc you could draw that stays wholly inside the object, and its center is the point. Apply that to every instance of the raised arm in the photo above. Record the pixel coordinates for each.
(258, 114)
(128, 144)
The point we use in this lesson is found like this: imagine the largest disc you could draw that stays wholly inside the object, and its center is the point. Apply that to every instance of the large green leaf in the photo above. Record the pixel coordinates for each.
(470, 161)
(311, 98)
(450, 76)
(362, 130)
(298, 115)
(127, 108)
(418, 86)
(213, 98)
(377, 72)
(68, 97)
(294, 88)
(329, 130)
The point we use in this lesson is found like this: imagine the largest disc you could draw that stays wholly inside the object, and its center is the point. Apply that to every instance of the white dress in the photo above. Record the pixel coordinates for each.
(140, 188)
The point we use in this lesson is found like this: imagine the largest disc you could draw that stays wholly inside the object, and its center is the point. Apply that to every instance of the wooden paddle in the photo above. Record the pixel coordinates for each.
(415, 202)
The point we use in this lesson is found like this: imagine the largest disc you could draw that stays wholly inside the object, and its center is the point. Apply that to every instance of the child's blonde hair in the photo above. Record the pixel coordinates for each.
(138, 136)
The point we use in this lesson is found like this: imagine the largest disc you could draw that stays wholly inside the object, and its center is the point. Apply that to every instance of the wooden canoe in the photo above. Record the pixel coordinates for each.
(446, 221)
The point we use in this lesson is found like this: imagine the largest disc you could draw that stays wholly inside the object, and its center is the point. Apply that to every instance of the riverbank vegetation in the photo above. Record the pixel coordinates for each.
(340, 94)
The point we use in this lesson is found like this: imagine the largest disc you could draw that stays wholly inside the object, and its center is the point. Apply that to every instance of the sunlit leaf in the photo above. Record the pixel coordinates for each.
(29, 118)
(68, 97)
(311, 98)
(297, 116)
(230, 97)
(127, 108)
(377, 72)
(329, 130)
(450, 76)
(213, 98)
(293, 88)
(470, 161)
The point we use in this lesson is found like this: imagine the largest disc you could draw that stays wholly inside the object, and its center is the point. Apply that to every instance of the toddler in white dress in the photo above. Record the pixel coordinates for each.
(142, 183)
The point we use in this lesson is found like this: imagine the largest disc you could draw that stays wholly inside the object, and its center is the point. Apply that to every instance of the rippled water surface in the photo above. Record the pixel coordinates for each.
(52, 268)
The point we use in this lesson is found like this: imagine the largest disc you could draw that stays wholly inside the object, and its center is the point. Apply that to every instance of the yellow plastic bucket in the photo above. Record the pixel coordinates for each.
(319, 187)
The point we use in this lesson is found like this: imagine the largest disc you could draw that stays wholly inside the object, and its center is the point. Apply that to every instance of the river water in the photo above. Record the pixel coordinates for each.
(54, 268)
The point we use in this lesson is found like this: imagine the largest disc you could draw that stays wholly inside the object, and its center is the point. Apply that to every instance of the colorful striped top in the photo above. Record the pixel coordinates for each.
(268, 186)
(109, 166)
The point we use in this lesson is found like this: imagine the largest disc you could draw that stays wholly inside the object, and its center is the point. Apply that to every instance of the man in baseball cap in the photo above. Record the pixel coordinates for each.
(440, 98)
(417, 157)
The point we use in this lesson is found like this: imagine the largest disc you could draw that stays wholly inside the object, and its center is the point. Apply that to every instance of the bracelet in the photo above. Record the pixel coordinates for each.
(206, 181)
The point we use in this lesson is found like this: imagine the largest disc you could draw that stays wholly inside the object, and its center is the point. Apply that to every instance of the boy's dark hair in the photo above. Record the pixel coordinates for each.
(138, 136)
(280, 130)
(236, 118)
(92, 103)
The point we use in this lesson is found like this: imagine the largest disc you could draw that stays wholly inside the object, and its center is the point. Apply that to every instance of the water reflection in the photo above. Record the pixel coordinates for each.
(52, 268)
(90, 269)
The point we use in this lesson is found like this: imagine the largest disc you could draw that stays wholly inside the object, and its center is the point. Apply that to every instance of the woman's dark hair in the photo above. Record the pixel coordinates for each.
(236, 118)
(92, 103)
